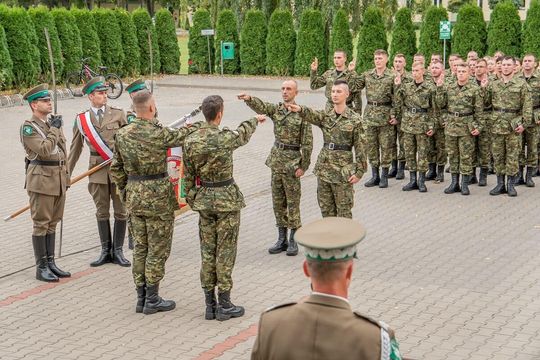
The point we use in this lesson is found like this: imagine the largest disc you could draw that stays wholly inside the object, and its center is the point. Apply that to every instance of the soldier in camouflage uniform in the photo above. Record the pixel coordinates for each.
(463, 104)
(483, 141)
(379, 117)
(437, 156)
(213, 193)
(414, 101)
(289, 159)
(529, 153)
(337, 168)
(398, 157)
(512, 111)
(139, 170)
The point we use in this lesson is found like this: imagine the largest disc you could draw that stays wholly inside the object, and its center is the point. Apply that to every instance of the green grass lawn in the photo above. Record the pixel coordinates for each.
(184, 54)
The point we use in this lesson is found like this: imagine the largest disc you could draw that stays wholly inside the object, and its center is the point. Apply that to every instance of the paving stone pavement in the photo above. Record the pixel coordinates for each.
(456, 277)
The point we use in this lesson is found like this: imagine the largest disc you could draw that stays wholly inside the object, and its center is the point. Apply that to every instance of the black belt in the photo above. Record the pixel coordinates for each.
(417, 110)
(215, 184)
(47, 162)
(94, 153)
(509, 111)
(380, 103)
(458, 114)
(283, 146)
(147, 177)
(332, 146)
(488, 109)
(536, 107)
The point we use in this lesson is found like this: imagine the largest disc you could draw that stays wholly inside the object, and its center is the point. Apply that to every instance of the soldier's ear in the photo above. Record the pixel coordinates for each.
(306, 269)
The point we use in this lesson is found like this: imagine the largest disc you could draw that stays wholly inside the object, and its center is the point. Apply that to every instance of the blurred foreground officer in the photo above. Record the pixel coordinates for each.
(46, 178)
(139, 170)
(323, 326)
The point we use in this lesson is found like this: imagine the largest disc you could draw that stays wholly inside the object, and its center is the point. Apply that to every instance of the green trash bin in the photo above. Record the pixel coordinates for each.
(227, 50)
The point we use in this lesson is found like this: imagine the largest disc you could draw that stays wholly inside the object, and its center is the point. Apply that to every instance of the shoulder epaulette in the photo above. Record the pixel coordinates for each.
(280, 306)
(116, 108)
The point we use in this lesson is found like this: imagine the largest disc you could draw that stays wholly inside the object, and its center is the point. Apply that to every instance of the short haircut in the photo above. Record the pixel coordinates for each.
(327, 271)
(419, 55)
(141, 100)
(418, 64)
(437, 55)
(211, 106)
(380, 52)
(454, 55)
(436, 61)
(341, 82)
(481, 61)
(500, 58)
(529, 54)
(399, 55)
(341, 51)
(509, 58)
(463, 65)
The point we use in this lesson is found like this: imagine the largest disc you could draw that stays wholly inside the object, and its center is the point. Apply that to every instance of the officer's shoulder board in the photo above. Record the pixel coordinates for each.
(387, 334)
(280, 306)
(116, 108)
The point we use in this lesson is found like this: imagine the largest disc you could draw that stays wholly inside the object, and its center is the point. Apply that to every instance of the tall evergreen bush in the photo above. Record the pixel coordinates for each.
(169, 52)
(199, 54)
(372, 36)
(310, 41)
(403, 36)
(89, 36)
(340, 36)
(227, 31)
(280, 44)
(132, 57)
(70, 39)
(253, 43)
(6, 65)
(504, 30)
(429, 32)
(144, 24)
(470, 31)
(531, 40)
(110, 39)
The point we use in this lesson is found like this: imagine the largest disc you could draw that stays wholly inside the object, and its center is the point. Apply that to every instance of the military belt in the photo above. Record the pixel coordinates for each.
(509, 111)
(47, 162)
(458, 114)
(147, 177)
(283, 146)
(216, 184)
(332, 146)
(488, 109)
(380, 103)
(417, 110)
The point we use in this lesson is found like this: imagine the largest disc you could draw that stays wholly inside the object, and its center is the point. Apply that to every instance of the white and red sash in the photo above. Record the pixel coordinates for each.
(87, 129)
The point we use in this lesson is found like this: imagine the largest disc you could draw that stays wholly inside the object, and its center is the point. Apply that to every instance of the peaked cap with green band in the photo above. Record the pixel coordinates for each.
(330, 239)
(95, 84)
(40, 92)
(135, 86)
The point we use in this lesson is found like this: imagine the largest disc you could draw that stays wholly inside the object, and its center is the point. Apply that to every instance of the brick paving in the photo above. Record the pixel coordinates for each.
(456, 277)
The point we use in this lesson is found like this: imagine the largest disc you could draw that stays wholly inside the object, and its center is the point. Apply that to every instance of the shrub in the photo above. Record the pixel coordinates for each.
(469, 31)
(372, 36)
(6, 65)
(169, 52)
(70, 39)
(403, 37)
(504, 31)
(34, 41)
(310, 41)
(143, 24)
(429, 32)
(340, 36)
(110, 39)
(226, 31)
(280, 44)
(132, 58)
(197, 44)
(89, 36)
(253, 43)
(531, 40)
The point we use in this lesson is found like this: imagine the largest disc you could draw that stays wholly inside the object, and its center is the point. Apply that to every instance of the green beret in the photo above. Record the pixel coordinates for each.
(39, 92)
(95, 84)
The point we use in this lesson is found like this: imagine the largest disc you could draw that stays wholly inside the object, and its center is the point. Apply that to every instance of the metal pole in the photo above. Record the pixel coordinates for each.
(209, 55)
(444, 54)
(151, 61)
(221, 53)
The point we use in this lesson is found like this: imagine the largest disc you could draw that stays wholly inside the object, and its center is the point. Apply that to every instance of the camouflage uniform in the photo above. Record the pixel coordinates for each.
(437, 143)
(354, 101)
(463, 104)
(530, 135)
(398, 142)
(291, 151)
(139, 170)
(212, 192)
(482, 155)
(334, 166)
(512, 107)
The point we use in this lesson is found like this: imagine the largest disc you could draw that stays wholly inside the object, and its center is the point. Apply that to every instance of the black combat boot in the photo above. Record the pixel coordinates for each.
(281, 243)
(528, 177)
(393, 171)
(211, 304)
(465, 181)
(454, 185)
(375, 179)
(383, 183)
(400, 175)
(422, 182)
(226, 309)
(473, 179)
(50, 243)
(292, 249)
(432, 173)
(440, 174)
(447, 169)
(483, 177)
(43, 272)
(141, 297)
(412, 185)
(499, 188)
(154, 303)
(519, 178)
(510, 189)
(119, 235)
(538, 170)
(104, 229)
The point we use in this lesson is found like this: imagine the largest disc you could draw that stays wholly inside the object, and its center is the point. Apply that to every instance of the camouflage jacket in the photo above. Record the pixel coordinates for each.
(336, 166)
(208, 156)
(327, 80)
(459, 101)
(289, 129)
(410, 97)
(141, 149)
(534, 87)
(513, 97)
(379, 89)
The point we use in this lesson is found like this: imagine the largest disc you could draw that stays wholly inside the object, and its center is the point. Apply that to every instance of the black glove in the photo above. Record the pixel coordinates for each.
(56, 121)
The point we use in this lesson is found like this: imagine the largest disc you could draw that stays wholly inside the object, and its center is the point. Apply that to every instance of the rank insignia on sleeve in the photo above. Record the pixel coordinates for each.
(28, 130)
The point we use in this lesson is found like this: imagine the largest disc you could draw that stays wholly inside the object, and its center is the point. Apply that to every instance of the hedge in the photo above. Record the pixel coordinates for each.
(169, 52)
(132, 57)
(226, 31)
(372, 36)
(429, 32)
(110, 39)
(269, 6)
(504, 31)
(340, 36)
(469, 31)
(531, 40)
(280, 44)
(197, 44)
(70, 39)
(34, 41)
(144, 24)
(6, 65)
(89, 36)
(253, 43)
(310, 41)
(42, 19)
(403, 36)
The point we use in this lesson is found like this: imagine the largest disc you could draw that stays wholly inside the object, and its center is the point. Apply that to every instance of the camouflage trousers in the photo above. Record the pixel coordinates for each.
(529, 149)
(379, 140)
(152, 246)
(482, 153)
(460, 153)
(286, 192)
(398, 150)
(416, 144)
(335, 199)
(437, 147)
(218, 232)
(506, 149)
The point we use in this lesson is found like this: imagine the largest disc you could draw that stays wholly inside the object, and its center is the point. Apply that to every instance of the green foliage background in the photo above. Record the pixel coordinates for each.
(198, 44)
(143, 24)
(168, 44)
(70, 39)
(132, 57)
(469, 31)
(372, 36)
(504, 30)
(89, 36)
(311, 41)
(226, 31)
(252, 43)
(280, 44)
(403, 37)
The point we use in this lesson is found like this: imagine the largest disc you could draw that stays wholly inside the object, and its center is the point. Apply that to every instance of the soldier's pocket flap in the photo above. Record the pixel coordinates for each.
(112, 126)
(347, 171)
(43, 170)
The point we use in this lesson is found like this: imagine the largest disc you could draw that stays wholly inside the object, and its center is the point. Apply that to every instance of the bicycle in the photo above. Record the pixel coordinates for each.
(75, 81)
